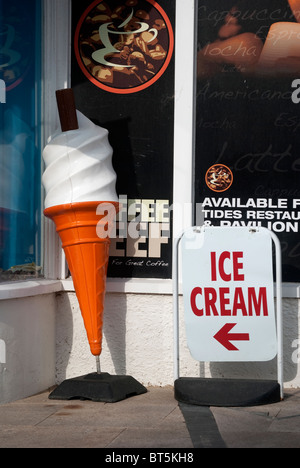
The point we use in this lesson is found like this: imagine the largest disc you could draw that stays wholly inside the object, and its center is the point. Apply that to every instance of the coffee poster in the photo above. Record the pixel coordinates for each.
(123, 80)
(247, 161)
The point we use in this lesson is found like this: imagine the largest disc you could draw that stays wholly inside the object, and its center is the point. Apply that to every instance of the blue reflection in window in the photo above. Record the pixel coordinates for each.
(20, 123)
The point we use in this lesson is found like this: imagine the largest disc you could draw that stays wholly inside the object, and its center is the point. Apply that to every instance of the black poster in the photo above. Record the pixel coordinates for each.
(123, 80)
(247, 163)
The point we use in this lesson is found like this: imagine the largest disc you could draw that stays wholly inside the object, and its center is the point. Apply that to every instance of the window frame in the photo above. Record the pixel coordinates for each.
(57, 75)
(57, 13)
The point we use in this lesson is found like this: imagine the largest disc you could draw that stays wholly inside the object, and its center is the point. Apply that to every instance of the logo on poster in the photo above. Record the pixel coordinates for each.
(219, 178)
(124, 48)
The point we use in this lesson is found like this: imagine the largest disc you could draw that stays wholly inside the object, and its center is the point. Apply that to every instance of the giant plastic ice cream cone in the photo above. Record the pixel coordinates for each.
(79, 181)
(87, 256)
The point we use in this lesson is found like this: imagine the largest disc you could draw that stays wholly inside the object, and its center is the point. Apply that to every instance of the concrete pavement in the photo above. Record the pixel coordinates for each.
(154, 420)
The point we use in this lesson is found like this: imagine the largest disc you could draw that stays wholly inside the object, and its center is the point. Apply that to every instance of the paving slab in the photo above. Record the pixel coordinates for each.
(268, 426)
(154, 420)
(47, 437)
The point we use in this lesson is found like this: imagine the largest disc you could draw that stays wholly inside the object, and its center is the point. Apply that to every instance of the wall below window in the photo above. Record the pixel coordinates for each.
(27, 346)
(138, 341)
(137, 338)
(43, 342)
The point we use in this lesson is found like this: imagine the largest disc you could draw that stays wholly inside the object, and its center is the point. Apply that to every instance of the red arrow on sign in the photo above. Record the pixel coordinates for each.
(224, 337)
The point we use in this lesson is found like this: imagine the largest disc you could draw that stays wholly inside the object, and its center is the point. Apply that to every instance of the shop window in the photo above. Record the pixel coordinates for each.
(20, 142)
(247, 119)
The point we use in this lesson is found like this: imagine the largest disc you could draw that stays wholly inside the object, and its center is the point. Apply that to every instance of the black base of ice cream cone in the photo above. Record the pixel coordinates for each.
(98, 387)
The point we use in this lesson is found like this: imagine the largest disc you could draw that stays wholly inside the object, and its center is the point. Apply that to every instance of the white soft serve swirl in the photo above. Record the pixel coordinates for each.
(79, 166)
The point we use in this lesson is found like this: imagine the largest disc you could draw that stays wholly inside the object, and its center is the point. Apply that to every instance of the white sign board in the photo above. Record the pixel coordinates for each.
(228, 289)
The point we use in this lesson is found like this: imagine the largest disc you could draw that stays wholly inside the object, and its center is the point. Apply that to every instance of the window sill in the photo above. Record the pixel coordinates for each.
(36, 287)
(128, 285)
(27, 288)
(291, 290)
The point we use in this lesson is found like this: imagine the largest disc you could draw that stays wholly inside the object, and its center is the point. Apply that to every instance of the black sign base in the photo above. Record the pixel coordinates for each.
(226, 392)
(98, 387)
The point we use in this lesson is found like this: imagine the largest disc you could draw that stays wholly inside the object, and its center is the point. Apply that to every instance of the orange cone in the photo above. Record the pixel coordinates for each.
(87, 255)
